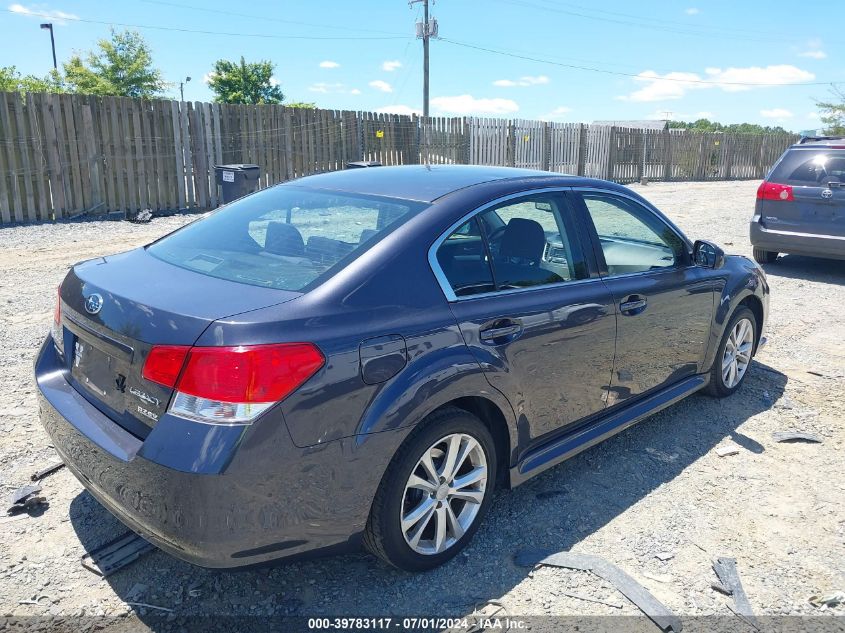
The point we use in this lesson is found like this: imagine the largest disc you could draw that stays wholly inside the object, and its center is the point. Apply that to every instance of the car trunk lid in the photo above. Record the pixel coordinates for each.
(805, 192)
(114, 309)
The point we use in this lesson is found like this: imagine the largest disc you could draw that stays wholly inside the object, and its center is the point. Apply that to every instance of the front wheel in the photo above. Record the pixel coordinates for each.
(435, 492)
(734, 354)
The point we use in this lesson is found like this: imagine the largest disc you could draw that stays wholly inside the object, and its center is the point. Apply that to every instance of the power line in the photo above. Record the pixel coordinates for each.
(634, 75)
(204, 32)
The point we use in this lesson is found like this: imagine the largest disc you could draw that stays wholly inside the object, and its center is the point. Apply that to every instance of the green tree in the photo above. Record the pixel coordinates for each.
(12, 81)
(242, 82)
(706, 125)
(301, 104)
(120, 66)
(833, 112)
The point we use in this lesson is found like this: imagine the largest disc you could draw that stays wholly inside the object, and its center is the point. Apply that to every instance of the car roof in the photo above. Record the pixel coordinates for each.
(424, 183)
(810, 142)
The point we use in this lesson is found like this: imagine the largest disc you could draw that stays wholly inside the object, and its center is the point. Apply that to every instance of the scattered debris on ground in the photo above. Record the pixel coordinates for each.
(725, 569)
(727, 449)
(828, 600)
(626, 585)
(44, 472)
(25, 499)
(116, 554)
(796, 436)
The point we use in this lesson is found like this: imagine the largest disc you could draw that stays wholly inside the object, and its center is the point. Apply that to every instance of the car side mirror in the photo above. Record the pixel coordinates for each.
(707, 254)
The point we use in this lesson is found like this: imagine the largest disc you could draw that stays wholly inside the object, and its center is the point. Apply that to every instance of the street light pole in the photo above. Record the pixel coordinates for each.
(49, 26)
(182, 88)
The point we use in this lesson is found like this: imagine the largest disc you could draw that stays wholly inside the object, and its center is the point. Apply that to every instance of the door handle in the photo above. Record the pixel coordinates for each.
(502, 331)
(633, 305)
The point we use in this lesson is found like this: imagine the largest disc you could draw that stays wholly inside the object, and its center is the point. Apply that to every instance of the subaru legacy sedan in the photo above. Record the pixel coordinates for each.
(363, 357)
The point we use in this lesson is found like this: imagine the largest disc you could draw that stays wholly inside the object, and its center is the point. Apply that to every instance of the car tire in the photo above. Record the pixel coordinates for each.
(730, 367)
(391, 530)
(764, 257)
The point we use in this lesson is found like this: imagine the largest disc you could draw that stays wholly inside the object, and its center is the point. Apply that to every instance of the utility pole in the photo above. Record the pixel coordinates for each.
(425, 31)
(49, 26)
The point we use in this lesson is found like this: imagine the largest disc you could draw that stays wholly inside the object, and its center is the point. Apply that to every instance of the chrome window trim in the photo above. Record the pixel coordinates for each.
(446, 287)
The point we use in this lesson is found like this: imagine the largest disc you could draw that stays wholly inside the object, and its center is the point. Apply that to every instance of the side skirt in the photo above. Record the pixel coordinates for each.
(566, 446)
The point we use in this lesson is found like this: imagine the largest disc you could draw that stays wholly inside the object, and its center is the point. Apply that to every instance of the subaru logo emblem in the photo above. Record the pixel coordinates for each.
(827, 193)
(93, 303)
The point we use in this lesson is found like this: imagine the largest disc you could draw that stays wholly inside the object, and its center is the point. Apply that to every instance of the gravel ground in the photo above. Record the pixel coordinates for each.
(656, 500)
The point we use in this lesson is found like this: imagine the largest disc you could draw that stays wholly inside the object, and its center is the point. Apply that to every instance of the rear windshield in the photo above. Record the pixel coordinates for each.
(814, 168)
(283, 237)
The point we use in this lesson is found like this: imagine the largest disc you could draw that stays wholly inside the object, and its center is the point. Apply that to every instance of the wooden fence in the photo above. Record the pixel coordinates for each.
(67, 155)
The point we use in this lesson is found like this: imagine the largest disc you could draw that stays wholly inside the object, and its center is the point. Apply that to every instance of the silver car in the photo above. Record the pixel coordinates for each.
(801, 203)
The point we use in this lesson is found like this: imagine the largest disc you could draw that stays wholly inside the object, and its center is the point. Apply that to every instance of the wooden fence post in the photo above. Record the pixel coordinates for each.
(547, 147)
(667, 155)
(611, 152)
(581, 160)
(510, 144)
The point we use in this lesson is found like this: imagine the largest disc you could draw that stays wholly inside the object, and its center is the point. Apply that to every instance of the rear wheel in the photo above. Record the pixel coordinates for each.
(435, 492)
(764, 257)
(733, 358)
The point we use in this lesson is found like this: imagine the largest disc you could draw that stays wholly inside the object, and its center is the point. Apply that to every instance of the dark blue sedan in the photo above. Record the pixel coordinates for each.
(362, 357)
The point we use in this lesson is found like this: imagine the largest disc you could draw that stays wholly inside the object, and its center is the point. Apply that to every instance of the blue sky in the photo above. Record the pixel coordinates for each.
(623, 60)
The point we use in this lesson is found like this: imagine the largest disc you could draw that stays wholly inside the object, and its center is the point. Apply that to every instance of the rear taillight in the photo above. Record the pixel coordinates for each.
(774, 191)
(56, 329)
(163, 364)
(231, 385)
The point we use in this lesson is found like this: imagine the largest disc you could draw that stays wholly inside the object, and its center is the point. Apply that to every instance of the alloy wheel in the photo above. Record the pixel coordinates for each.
(737, 355)
(443, 494)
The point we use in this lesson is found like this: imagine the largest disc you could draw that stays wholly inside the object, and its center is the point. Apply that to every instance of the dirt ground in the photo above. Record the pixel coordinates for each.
(655, 500)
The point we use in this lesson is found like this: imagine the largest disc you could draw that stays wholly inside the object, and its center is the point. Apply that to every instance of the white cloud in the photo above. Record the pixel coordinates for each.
(378, 84)
(399, 109)
(527, 80)
(692, 11)
(813, 116)
(390, 66)
(780, 75)
(326, 88)
(274, 81)
(329, 64)
(355, 91)
(662, 87)
(557, 114)
(467, 104)
(207, 77)
(675, 85)
(41, 12)
(777, 113)
(661, 115)
(813, 49)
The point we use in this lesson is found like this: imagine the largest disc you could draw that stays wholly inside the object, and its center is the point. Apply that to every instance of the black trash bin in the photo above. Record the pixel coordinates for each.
(236, 181)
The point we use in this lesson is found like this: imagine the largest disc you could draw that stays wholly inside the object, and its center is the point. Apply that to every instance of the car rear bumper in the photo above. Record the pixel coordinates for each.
(797, 243)
(272, 499)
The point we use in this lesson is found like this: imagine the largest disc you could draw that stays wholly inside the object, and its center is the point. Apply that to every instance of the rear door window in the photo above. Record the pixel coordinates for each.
(284, 237)
(517, 244)
(810, 168)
